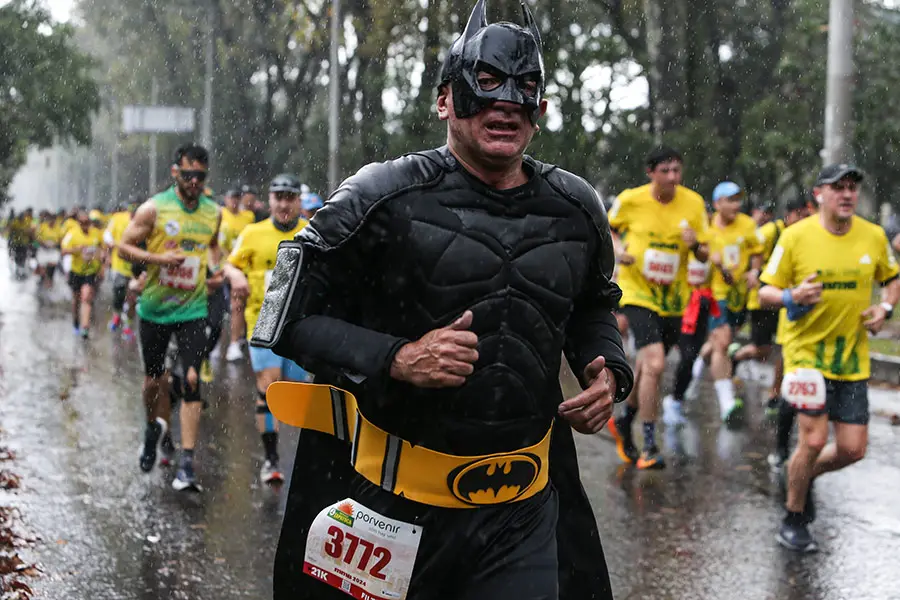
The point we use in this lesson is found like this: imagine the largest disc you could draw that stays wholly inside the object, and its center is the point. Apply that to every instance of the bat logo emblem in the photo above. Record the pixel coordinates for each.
(494, 480)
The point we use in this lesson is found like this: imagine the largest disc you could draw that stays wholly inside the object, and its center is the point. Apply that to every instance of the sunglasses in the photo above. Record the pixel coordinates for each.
(189, 175)
(840, 186)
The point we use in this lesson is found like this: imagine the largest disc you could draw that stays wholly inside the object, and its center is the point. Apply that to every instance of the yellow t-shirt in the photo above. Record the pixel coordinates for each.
(735, 243)
(87, 250)
(49, 233)
(767, 235)
(254, 253)
(232, 226)
(831, 337)
(113, 235)
(20, 232)
(68, 225)
(657, 280)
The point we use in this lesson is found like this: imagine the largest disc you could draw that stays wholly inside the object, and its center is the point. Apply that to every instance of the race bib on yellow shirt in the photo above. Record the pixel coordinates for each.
(660, 267)
(183, 276)
(731, 256)
(361, 552)
(804, 389)
(697, 272)
(88, 253)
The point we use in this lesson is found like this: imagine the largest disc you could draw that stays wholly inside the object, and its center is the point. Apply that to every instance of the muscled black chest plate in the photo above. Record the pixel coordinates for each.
(518, 260)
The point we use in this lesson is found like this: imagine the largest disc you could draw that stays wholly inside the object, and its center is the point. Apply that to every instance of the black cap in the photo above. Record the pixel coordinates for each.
(834, 173)
(798, 202)
(285, 183)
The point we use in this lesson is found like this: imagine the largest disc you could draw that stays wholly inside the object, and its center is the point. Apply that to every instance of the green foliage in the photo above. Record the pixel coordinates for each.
(46, 89)
(741, 89)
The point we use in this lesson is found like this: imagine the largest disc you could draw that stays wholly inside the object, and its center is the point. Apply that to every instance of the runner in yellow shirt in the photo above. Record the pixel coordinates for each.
(655, 228)
(736, 257)
(234, 219)
(823, 271)
(249, 269)
(85, 245)
(764, 321)
(121, 273)
(49, 237)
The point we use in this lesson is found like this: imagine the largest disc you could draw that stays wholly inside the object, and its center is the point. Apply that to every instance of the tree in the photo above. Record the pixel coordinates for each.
(46, 88)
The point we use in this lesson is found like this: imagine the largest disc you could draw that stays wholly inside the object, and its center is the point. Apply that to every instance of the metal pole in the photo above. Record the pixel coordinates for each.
(653, 11)
(114, 171)
(334, 98)
(206, 124)
(839, 91)
(92, 178)
(154, 98)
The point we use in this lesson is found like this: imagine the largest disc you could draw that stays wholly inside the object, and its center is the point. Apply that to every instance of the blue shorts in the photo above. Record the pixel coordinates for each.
(263, 358)
(727, 317)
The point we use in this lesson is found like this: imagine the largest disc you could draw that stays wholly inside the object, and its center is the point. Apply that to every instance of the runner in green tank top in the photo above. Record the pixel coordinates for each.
(180, 227)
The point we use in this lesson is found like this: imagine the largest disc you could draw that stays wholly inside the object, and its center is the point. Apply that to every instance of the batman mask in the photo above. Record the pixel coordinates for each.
(508, 52)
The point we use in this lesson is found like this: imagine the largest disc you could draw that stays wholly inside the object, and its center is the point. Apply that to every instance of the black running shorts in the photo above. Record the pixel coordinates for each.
(763, 325)
(191, 338)
(76, 281)
(650, 328)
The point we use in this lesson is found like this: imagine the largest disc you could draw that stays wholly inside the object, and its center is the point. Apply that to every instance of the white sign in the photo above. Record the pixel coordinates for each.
(157, 119)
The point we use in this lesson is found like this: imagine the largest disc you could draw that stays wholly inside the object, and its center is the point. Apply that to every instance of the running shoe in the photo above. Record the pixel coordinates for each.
(651, 459)
(206, 372)
(234, 352)
(625, 447)
(84, 334)
(127, 333)
(115, 322)
(166, 450)
(185, 480)
(152, 433)
(796, 538)
(269, 473)
(673, 412)
(734, 417)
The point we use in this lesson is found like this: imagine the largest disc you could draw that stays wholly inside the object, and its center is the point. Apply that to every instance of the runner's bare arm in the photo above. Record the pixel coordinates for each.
(138, 232)
(215, 250)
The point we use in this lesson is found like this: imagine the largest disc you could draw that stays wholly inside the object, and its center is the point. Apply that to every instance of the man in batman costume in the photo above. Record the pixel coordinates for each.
(440, 289)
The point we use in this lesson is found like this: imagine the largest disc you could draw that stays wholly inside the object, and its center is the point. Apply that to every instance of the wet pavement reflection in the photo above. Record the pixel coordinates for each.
(703, 528)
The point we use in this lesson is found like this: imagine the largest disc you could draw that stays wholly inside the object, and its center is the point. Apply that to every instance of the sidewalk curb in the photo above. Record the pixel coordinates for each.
(885, 368)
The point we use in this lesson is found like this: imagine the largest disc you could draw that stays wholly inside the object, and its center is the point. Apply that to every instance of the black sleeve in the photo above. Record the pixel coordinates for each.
(592, 330)
(341, 246)
(320, 334)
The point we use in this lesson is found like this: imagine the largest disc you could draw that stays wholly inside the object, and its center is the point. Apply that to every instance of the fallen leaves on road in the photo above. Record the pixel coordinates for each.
(9, 481)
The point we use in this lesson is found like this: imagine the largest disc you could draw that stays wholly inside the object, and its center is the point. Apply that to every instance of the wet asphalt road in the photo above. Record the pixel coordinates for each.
(704, 528)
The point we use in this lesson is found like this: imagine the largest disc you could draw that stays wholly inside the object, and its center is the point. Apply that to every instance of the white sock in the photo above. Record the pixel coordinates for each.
(725, 393)
(697, 368)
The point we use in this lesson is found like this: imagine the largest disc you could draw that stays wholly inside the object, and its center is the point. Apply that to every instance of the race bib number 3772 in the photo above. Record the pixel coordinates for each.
(361, 552)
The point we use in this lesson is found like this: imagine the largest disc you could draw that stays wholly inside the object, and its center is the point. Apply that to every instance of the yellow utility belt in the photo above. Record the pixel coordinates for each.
(414, 472)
